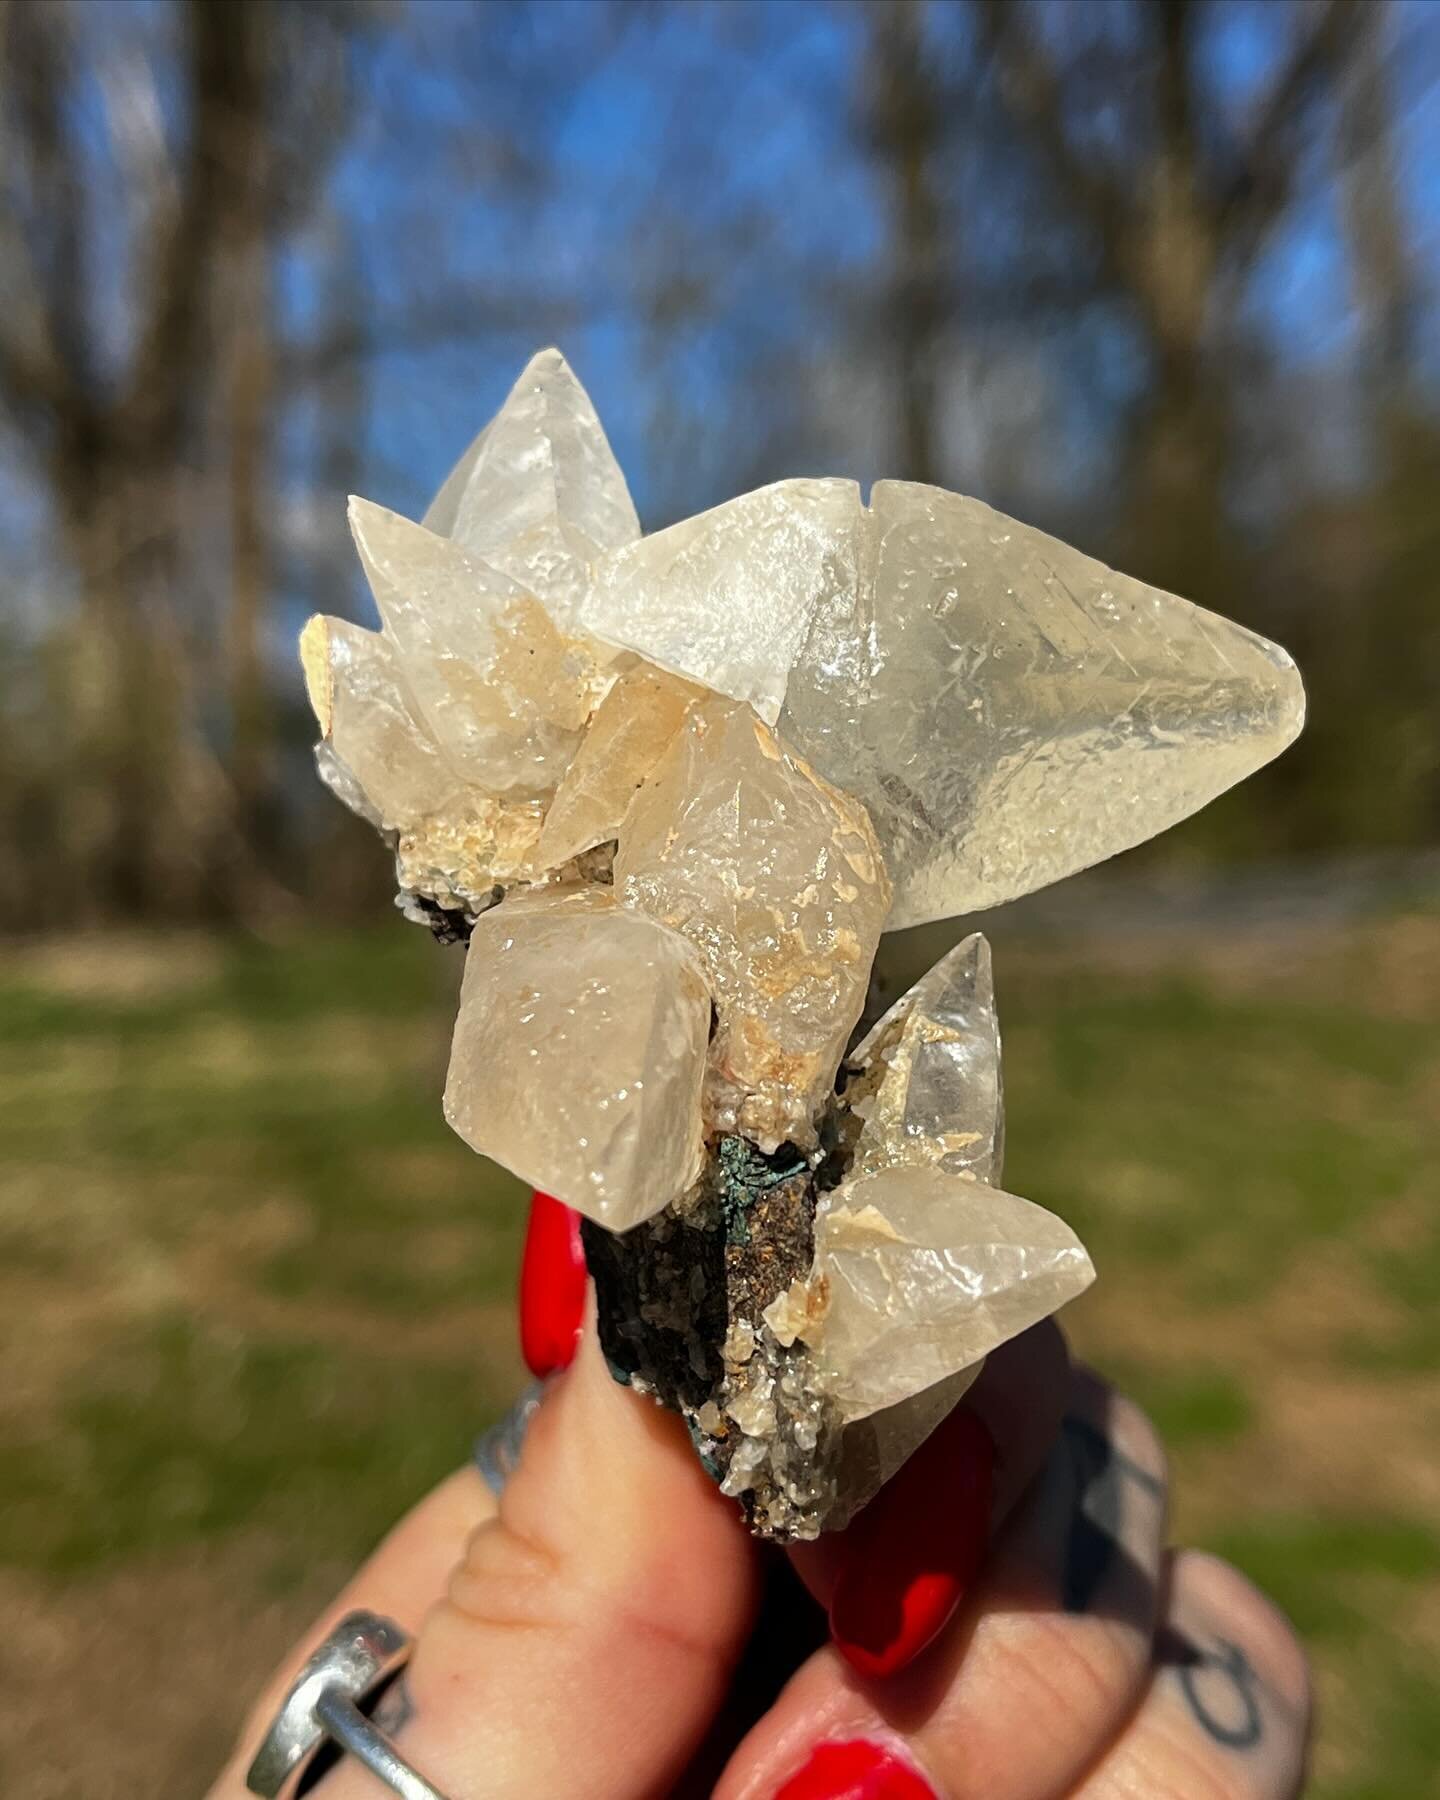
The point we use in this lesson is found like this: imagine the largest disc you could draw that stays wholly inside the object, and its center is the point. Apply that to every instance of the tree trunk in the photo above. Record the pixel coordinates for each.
(906, 129)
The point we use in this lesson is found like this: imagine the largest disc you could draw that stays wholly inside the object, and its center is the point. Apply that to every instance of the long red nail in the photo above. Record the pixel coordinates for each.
(552, 1286)
(913, 1552)
(856, 1771)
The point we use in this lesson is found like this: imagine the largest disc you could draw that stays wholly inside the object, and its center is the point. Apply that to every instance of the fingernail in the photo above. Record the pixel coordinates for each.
(914, 1551)
(552, 1286)
(856, 1771)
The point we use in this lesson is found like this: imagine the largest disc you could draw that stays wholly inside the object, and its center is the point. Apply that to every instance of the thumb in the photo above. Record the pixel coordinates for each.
(589, 1633)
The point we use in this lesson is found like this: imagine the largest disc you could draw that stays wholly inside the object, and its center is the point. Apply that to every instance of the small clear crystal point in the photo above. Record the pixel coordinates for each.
(927, 1078)
(539, 493)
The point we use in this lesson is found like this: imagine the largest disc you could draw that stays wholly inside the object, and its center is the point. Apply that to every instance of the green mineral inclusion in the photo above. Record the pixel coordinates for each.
(744, 1172)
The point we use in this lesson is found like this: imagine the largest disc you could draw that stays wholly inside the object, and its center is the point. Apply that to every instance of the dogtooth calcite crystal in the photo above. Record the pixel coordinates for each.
(776, 878)
(925, 1273)
(539, 495)
(672, 790)
(633, 726)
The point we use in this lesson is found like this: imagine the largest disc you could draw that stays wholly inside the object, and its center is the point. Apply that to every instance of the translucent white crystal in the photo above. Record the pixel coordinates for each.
(379, 755)
(929, 1073)
(579, 1053)
(343, 785)
(926, 1273)
(829, 698)
(636, 722)
(1010, 710)
(504, 692)
(539, 494)
(726, 598)
(775, 878)
(876, 1447)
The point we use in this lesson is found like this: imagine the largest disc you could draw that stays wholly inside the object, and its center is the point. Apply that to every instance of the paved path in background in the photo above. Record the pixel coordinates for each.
(1257, 898)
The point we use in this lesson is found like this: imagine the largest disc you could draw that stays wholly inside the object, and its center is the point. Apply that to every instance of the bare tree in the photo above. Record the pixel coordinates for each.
(148, 815)
(1174, 216)
(904, 124)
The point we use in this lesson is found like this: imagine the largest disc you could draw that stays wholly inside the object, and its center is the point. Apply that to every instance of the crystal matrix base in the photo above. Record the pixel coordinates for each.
(681, 1302)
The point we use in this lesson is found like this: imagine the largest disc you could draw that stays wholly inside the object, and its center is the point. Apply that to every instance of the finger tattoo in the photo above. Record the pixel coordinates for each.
(1220, 1686)
(395, 1708)
(1101, 1472)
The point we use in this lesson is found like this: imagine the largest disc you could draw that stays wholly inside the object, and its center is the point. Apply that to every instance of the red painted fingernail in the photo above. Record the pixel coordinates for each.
(913, 1552)
(856, 1771)
(552, 1286)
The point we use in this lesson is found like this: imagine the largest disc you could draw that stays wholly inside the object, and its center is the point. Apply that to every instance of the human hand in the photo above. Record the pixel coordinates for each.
(1006, 1621)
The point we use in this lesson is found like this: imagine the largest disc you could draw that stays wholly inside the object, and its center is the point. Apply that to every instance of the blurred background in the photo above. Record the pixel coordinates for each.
(1158, 275)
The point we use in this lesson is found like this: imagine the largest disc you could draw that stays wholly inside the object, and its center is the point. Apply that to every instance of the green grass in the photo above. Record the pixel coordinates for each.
(1323, 1568)
(1220, 1135)
(189, 1430)
(144, 1138)
(254, 1291)
(1194, 1405)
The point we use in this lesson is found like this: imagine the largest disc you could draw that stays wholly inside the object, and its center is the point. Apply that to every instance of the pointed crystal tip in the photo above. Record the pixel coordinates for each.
(1011, 710)
(926, 1273)
(539, 493)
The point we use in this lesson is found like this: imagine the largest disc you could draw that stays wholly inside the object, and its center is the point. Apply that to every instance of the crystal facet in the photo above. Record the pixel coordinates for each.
(504, 692)
(380, 754)
(926, 1081)
(876, 1447)
(927, 1273)
(1010, 710)
(726, 598)
(636, 723)
(579, 1053)
(539, 493)
(776, 879)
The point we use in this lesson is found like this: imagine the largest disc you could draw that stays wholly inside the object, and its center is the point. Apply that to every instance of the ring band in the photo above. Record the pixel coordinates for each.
(325, 1707)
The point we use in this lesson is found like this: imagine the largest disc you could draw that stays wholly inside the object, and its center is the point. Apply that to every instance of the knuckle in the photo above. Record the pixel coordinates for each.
(1122, 1421)
(508, 1581)
(514, 1582)
(1135, 1434)
(1177, 1769)
(1083, 1674)
(1254, 1619)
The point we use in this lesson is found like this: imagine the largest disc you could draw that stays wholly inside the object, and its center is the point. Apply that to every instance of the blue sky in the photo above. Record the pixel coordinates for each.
(682, 198)
(719, 124)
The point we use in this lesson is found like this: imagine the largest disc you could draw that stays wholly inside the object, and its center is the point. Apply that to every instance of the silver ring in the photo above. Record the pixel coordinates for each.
(324, 1706)
(497, 1450)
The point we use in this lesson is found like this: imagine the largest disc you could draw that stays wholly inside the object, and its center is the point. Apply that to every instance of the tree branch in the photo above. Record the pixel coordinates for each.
(1264, 178)
(42, 233)
(225, 83)
(1032, 90)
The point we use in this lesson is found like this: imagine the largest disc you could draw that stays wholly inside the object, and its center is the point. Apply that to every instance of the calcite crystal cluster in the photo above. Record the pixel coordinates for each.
(671, 790)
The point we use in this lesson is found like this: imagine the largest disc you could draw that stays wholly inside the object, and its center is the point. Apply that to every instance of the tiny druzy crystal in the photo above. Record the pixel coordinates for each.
(672, 789)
